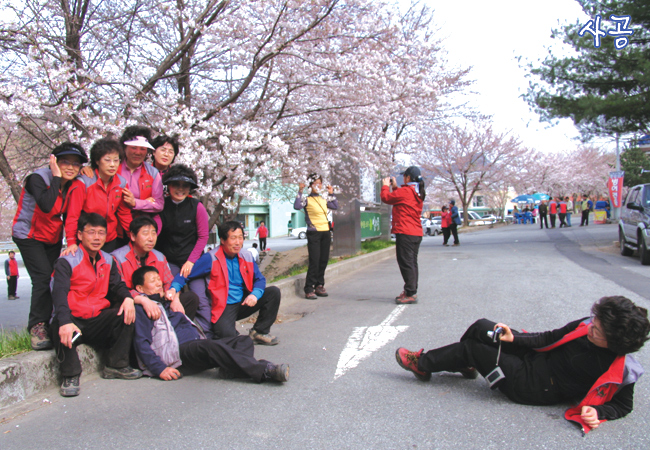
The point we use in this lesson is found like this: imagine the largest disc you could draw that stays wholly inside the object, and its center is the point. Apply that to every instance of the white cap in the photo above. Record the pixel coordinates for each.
(139, 141)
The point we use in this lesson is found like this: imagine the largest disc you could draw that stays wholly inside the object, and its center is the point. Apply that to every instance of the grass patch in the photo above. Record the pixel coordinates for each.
(366, 247)
(14, 342)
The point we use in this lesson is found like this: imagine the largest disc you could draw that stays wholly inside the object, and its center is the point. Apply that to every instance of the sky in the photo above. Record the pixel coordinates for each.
(490, 36)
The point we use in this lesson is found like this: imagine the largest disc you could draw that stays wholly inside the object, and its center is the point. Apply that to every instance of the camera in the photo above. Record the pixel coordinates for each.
(494, 335)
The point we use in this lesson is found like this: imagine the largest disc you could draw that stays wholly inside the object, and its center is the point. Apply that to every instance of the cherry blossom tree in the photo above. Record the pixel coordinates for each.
(256, 91)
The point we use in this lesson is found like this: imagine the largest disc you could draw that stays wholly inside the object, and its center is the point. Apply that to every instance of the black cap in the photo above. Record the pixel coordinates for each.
(413, 172)
(68, 148)
(188, 180)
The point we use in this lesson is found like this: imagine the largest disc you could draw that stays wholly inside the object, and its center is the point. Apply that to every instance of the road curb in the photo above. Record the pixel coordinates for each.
(29, 373)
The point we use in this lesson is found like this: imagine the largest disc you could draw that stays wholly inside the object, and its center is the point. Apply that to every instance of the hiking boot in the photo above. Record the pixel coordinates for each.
(407, 299)
(277, 372)
(70, 386)
(409, 361)
(456, 244)
(40, 337)
(401, 296)
(11, 297)
(262, 339)
(321, 292)
(470, 373)
(123, 373)
(310, 296)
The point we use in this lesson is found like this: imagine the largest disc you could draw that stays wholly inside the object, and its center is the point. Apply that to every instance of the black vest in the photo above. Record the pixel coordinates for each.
(179, 233)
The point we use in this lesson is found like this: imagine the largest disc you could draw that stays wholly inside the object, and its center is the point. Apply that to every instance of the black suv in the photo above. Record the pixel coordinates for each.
(634, 226)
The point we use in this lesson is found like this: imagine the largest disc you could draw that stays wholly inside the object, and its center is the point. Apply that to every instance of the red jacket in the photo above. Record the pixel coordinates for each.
(262, 231)
(90, 195)
(562, 207)
(624, 370)
(127, 263)
(446, 219)
(552, 207)
(88, 284)
(407, 209)
(30, 222)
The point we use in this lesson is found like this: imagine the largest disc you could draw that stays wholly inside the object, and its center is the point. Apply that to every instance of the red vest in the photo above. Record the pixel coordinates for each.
(552, 207)
(562, 207)
(30, 222)
(624, 370)
(218, 278)
(90, 195)
(127, 263)
(88, 284)
(13, 267)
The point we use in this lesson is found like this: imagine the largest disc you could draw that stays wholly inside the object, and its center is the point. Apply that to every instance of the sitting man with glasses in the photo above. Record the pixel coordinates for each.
(92, 305)
(586, 361)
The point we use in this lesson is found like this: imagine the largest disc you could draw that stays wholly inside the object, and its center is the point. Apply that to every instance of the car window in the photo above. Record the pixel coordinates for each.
(632, 198)
(646, 197)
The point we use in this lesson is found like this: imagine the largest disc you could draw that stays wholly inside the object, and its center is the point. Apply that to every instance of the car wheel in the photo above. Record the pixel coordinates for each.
(302, 235)
(621, 240)
(644, 254)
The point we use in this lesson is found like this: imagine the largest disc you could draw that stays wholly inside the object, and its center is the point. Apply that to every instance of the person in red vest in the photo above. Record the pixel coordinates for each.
(92, 305)
(236, 287)
(552, 211)
(262, 232)
(587, 361)
(38, 231)
(102, 194)
(563, 210)
(11, 270)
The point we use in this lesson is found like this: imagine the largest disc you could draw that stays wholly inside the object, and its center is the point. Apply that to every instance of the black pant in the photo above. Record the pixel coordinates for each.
(553, 217)
(406, 250)
(12, 284)
(262, 244)
(446, 232)
(454, 230)
(39, 261)
(318, 246)
(585, 218)
(107, 330)
(268, 306)
(476, 349)
(232, 353)
(543, 222)
(562, 219)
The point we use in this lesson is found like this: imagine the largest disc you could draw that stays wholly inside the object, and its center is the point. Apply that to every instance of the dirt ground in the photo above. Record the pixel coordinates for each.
(276, 264)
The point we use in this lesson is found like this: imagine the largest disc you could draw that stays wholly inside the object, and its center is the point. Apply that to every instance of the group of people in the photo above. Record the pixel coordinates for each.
(135, 297)
(562, 208)
(135, 237)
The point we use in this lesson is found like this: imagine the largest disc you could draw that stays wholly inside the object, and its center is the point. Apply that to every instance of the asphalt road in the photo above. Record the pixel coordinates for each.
(346, 390)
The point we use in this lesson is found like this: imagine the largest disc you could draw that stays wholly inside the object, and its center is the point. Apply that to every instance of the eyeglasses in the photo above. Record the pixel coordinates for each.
(165, 150)
(65, 162)
(94, 233)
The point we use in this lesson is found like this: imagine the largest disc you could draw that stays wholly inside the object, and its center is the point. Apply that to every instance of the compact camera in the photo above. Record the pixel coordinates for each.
(494, 335)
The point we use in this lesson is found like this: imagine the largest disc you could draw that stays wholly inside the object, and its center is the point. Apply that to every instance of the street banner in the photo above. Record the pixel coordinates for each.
(615, 185)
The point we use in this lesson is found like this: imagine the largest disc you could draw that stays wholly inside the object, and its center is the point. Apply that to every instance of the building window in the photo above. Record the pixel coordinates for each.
(478, 201)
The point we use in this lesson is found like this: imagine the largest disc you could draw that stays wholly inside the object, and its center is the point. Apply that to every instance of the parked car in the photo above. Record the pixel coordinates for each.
(489, 218)
(431, 228)
(300, 232)
(634, 224)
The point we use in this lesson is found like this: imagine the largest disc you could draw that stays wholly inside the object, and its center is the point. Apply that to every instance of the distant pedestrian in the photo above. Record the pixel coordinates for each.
(552, 209)
(586, 206)
(263, 233)
(319, 235)
(407, 202)
(11, 270)
(543, 212)
(569, 210)
(256, 254)
(445, 223)
(455, 220)
(563, 210)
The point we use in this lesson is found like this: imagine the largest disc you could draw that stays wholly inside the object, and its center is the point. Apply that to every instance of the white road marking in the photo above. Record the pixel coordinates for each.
(365, 340)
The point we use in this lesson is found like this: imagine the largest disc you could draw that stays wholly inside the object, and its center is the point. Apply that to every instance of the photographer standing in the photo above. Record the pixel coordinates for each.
(407, 202)
(318, 234)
